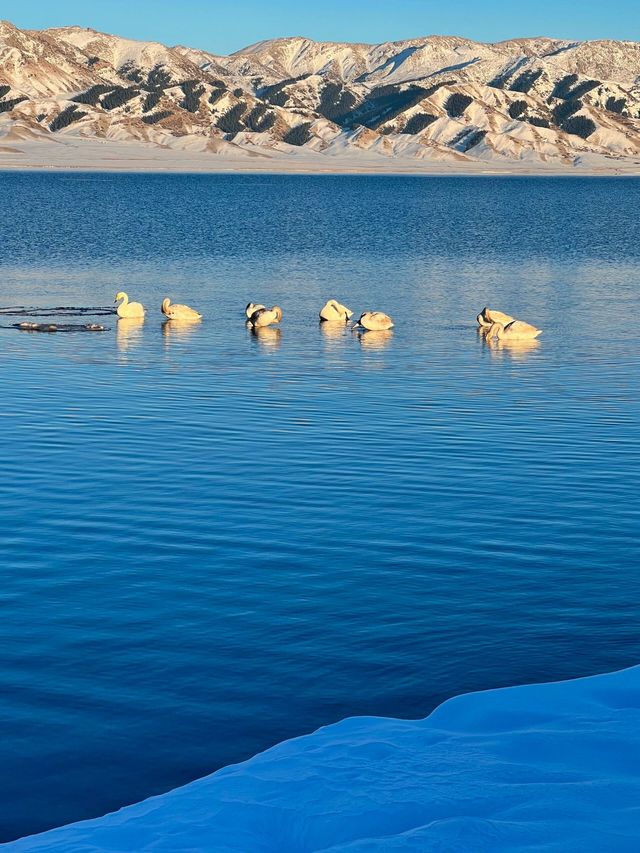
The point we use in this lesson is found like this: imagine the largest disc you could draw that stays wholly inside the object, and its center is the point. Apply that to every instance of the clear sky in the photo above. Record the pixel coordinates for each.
(223, 26)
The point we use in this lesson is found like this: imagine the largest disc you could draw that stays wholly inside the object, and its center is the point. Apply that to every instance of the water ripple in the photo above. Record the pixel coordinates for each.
(213, 541)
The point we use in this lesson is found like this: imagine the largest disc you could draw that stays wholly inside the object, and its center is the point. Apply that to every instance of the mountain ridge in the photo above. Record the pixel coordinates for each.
(432, 99)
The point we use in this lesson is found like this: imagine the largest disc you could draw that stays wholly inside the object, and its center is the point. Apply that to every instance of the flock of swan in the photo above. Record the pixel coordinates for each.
(493, 324)
(258, 316)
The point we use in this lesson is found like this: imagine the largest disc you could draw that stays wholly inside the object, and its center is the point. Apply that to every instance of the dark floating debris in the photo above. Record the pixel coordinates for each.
(59, 327)
(60, 311)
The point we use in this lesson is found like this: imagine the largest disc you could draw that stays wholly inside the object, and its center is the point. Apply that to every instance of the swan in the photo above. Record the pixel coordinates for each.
(251, 308)
(334, 312)
(265, 317)
(375, 321)
(179, 312)
(487, 316)
(128, 309)
(514, 331)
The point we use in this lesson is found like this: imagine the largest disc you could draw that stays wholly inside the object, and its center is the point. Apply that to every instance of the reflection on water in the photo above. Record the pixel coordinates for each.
(334, 336)
(518, 350)
(256, 535)
(375, 339)
(267, 336)
(128, 333)
(333, 330)
(179, 330)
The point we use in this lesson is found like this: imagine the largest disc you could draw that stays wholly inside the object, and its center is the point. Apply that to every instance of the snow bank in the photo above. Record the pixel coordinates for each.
(553, 767)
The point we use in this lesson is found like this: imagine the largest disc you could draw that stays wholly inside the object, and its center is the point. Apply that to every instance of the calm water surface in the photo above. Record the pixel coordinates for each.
(212, 541)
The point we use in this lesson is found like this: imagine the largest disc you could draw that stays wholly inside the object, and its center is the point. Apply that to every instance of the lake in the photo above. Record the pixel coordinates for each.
(212, 541)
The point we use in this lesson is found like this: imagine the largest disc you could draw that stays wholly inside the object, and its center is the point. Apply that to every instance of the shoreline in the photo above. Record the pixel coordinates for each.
(534, 751)
(400, 173)
(194, 169)
(113, 157)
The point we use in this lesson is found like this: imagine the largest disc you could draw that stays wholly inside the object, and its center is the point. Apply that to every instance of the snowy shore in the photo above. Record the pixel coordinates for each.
(72, 154)
(550, 767)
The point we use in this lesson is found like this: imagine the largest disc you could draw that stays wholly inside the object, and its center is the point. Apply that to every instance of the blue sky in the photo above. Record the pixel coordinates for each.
(225, 26)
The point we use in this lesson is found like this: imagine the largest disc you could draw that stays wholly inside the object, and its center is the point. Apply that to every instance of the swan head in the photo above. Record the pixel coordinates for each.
(120, 295)
(165, 304)
(277, 312)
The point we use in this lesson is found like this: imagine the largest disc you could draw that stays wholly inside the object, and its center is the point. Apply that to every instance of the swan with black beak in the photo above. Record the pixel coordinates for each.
(374, 321)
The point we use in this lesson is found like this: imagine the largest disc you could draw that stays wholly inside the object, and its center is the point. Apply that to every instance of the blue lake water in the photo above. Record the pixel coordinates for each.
(213, 541)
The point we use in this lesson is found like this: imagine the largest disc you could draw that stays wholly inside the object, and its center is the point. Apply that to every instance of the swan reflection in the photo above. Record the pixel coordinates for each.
(518, 350)
(333, 332)
(267, 336)
(179, 330)
(128, 333)
(376, 339)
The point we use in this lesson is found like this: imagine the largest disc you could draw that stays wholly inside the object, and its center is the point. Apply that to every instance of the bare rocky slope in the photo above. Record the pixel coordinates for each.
(532, 103)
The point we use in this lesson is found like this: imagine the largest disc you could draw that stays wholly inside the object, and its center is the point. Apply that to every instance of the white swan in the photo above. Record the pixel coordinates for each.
(334, 312)
(514, 331)
(265, 317)
(375, 321)
(179, 312)
(488, 316)
(251, 308)
(128, 309)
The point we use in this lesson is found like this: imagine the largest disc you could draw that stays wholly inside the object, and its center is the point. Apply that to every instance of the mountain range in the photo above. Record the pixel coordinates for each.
(534, 103)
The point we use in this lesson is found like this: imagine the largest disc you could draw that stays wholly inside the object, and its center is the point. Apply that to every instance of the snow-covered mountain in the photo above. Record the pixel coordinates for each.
(537, 102)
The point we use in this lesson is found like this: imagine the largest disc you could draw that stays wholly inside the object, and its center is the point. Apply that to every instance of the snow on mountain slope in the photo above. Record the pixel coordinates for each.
(550, 767)
(440, 98)
(37, 64)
